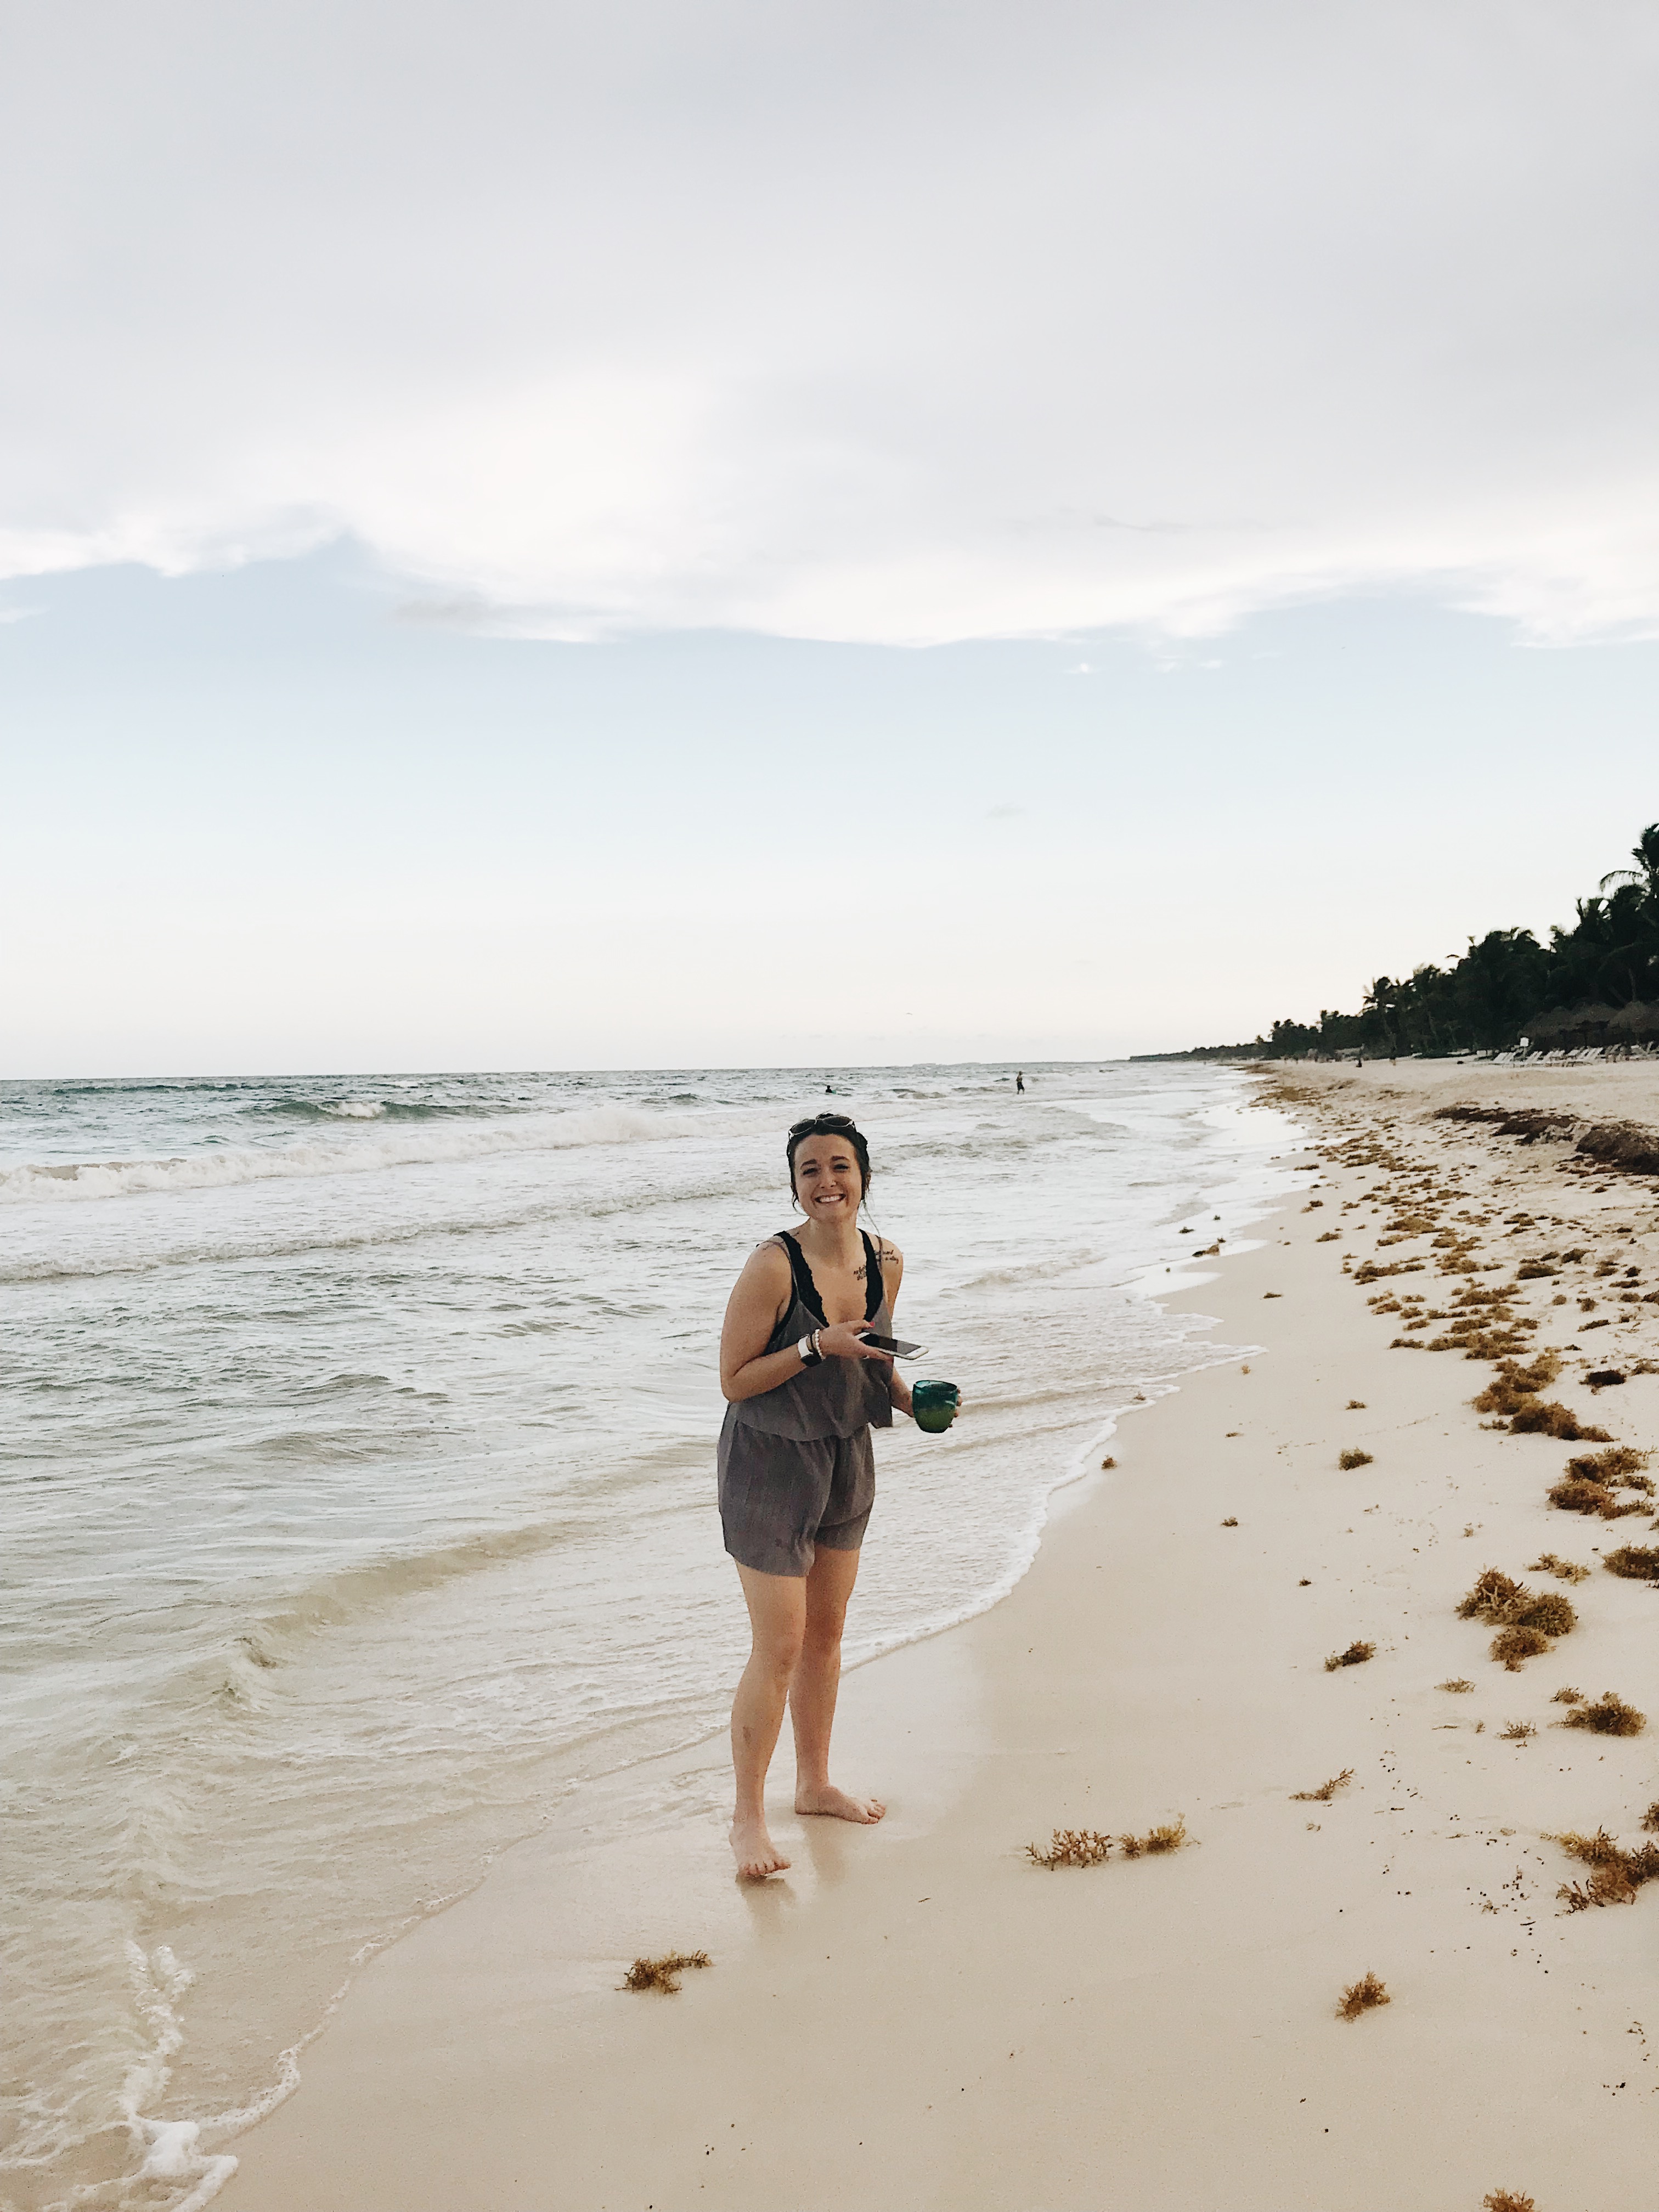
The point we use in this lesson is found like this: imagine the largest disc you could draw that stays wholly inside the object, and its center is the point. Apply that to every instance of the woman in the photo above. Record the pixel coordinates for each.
(796, 1477)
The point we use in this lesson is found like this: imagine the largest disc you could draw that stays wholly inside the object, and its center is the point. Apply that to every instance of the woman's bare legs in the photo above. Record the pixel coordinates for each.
(777, 1622)
(812, 1691)
(794, 1658)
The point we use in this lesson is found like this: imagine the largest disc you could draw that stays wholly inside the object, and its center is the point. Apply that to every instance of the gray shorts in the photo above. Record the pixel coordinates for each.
(782, 1498)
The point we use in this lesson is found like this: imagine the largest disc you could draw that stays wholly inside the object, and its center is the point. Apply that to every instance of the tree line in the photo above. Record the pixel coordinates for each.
(1595, 982)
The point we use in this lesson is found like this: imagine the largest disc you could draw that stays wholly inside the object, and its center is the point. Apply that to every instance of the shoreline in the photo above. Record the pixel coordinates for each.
(978, 2031)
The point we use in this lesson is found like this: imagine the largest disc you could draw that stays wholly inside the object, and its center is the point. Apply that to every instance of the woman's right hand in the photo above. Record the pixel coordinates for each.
(842, 1340)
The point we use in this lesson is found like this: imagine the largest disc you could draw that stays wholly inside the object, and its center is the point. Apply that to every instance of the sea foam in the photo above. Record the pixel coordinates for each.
(54, 1182)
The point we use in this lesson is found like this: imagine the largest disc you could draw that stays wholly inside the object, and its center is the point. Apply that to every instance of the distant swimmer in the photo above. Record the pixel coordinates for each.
(797, 1476)
(1019, 1082)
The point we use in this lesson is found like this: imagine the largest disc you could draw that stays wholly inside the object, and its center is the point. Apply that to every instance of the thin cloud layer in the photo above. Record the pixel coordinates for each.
(889, 322)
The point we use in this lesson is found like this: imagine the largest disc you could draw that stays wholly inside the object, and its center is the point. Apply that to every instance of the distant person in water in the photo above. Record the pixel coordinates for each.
(797, 1475)
(1019, 1081)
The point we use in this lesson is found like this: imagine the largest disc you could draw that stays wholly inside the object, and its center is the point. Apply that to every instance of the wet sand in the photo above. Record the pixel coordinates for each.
(918, 2015)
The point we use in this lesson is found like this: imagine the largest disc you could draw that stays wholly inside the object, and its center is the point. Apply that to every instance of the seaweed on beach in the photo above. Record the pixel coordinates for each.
(1507, 2199)
(1348, 1461)
(1526, 1620)
(1548, 1417)
(1615, 1875)
(1623, 1145)
(1566, 1571)
(1326, 1791)
(1512, 1646)
(1458, 1685)
(1515, 1386)
(1493, 1590)
(663, 1974)
(1635, 1562)
(1356, 1655)
(1506, 1603)
(1591, 1479)
(1650, 1819)
(1527, 1123)
(1168, 1837)
(1575, 1493)
(1608, 1716)
(1617, 1468)
(1566, 1697)
(1364, 1996)
(1073, 1847)
(1083, 1847)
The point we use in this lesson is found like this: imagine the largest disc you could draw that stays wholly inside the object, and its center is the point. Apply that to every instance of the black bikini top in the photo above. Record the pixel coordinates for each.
(807, 1290)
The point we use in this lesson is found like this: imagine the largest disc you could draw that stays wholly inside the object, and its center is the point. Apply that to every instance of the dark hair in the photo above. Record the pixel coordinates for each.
(830, 1125)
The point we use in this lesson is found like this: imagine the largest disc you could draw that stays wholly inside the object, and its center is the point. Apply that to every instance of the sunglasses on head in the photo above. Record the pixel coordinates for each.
(825, 1122)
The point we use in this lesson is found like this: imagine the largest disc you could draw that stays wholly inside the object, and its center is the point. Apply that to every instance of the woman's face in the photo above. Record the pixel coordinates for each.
(827, 1179)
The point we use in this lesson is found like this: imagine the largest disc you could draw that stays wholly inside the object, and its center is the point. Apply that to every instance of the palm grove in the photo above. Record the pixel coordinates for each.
(1596, 982)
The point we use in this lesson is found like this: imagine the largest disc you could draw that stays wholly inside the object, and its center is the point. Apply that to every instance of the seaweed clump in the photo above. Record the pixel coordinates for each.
(1608, 1716)
(1507, 2199)
(1363, 1996)
(1566, 1571)
(1351, 1459)
(664, 1974)
(1636, 1563)
(1577, 1493)
(1356, 1655)
(1513, 1393)
(1092, 1846)
(1591, 1479)
(1615, 1874)
(1498, 1598)
(1625, 1145)
(1326, 1791)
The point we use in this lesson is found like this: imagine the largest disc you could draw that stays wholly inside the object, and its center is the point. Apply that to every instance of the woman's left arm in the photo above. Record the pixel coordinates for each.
(892, 1274)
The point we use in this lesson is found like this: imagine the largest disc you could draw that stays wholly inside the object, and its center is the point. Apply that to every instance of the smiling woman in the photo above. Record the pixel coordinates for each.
(797, 1474)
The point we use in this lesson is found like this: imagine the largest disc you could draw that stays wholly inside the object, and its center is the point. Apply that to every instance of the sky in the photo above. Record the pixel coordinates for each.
(539, 536)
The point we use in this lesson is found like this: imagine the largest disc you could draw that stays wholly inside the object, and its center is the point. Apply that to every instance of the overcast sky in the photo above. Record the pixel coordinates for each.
(548, 536)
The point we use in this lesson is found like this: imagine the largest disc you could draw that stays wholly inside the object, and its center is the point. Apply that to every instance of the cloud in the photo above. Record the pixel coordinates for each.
(887, 322)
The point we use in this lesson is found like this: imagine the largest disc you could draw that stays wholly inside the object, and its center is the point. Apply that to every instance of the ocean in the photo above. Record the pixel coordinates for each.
(358, 1457)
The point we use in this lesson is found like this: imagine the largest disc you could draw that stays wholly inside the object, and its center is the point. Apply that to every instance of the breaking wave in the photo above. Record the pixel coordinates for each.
(56, 1180)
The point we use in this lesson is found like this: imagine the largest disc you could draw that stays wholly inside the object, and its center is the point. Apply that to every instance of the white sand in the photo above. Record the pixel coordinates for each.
(918, 2016)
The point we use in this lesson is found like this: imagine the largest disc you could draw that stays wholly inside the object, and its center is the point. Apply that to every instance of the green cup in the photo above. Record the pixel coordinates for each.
(934, 1406)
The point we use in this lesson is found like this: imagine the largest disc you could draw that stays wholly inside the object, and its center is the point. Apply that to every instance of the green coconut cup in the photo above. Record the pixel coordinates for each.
(934, 1405)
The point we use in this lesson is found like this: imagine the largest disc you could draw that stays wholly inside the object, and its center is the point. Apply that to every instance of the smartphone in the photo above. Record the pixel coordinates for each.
(894, 1346)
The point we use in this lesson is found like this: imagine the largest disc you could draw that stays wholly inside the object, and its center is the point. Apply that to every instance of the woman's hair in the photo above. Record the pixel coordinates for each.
(831, 1125)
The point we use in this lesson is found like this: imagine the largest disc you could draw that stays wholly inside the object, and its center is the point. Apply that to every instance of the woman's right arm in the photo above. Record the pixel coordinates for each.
(756, 1306)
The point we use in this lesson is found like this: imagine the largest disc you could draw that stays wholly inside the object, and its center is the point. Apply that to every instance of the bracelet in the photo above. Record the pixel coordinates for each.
(808, 1349)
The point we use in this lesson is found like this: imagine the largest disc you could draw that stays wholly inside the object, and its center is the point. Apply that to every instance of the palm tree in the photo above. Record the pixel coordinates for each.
(1645, 854)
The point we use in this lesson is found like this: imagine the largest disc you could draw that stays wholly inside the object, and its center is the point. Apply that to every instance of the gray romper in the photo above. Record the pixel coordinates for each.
(796, 1469)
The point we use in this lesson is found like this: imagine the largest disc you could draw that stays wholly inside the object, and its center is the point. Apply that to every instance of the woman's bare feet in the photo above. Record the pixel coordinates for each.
(757, 1855)
(826, 1798)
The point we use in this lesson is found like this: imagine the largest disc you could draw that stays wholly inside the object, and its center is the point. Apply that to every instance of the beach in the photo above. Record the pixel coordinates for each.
(918, 2013)
(359, 1481)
